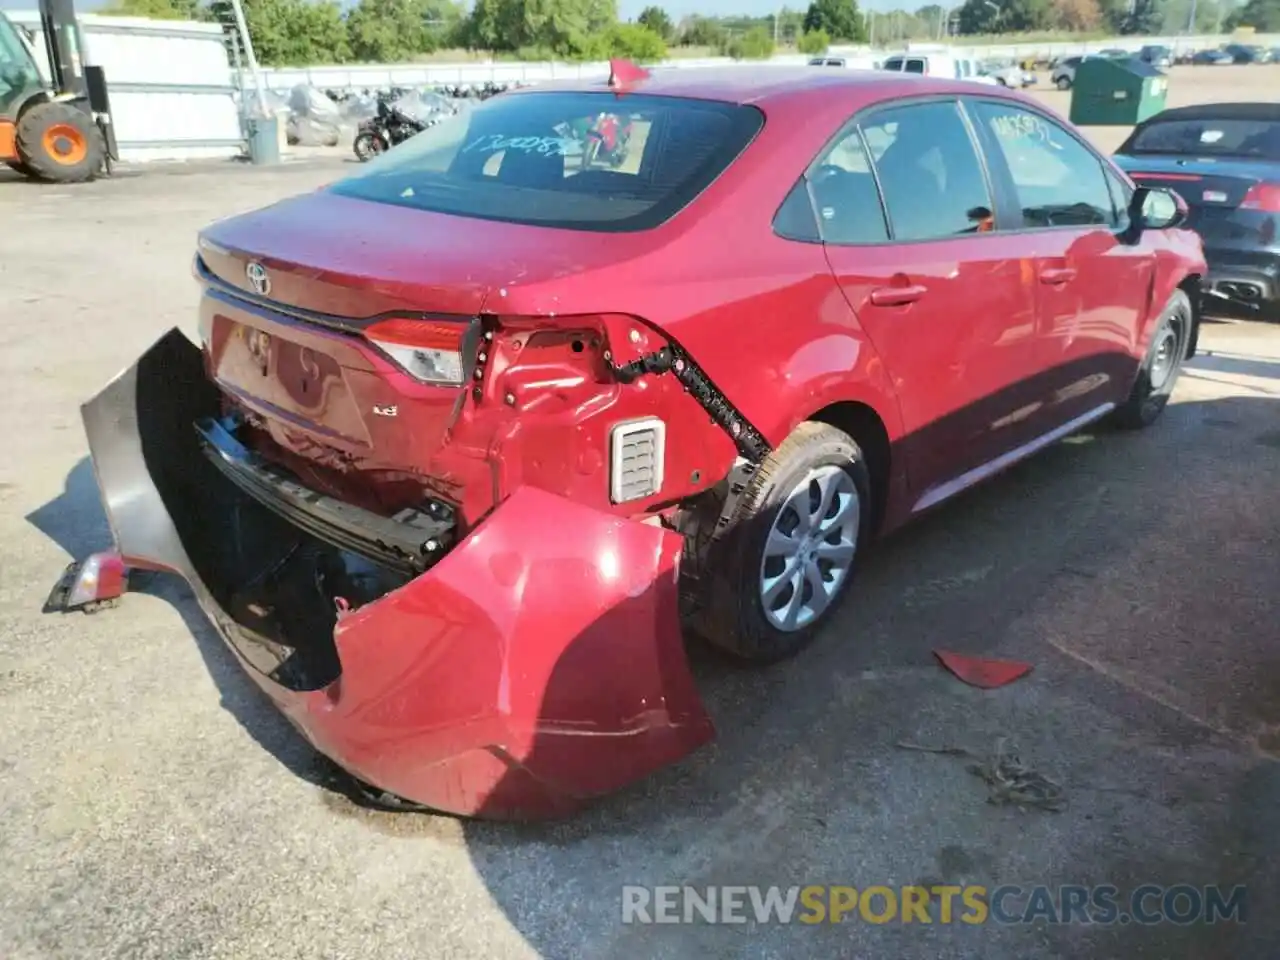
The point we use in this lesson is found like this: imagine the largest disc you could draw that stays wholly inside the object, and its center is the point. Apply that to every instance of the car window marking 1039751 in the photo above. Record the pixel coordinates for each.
(493, 142)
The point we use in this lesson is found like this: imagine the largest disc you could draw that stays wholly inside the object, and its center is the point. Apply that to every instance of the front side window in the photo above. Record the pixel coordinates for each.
(930, 175)
(893, 63)
(17, 74)
(583, 161)
(1058, 181)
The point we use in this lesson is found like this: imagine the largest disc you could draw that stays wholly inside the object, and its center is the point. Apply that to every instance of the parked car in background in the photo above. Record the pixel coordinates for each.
(1247, 53)
(1224, 160)
(1157, 55)
(933, 64)
(1007, 73)
(1115, 53)
(1213, 58)
(474, 436)
(1063, 74)
(848, 63)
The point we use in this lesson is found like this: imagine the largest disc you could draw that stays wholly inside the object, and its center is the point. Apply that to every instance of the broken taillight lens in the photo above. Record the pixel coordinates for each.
(430, 351)
(1262, 196)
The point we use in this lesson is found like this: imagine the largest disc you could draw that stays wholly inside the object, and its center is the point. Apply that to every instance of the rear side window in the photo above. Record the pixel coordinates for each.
(930, 175)
(845, 194)
(581, 161)
(1057, 180)
(915, 66)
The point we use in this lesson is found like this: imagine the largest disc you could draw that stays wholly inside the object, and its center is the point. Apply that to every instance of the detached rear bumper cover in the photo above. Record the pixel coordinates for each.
(538, 664)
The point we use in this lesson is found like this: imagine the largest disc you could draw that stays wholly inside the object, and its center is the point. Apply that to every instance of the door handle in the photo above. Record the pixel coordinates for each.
(897, 296)
(1057, 275)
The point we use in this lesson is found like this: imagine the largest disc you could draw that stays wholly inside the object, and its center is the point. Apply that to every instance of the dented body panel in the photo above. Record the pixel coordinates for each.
(537, 665)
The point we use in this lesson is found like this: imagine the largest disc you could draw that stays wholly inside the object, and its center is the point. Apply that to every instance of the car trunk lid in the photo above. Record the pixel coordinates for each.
(1207, 183)
(348, 331)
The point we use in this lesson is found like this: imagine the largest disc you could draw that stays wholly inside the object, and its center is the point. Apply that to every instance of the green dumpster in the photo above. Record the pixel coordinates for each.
(1116, 92)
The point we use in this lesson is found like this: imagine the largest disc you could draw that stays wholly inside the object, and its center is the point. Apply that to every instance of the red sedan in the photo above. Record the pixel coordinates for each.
(478, 436)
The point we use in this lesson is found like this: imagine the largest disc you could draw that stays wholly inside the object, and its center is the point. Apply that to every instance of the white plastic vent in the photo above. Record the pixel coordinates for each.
(636, 459)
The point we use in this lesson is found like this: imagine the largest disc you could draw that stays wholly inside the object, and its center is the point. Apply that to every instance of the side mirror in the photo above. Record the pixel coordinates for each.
(1154, 208)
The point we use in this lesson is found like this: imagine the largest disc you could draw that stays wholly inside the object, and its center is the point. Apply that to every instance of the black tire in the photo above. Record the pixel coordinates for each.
(19, 167)
(1063, 83)
(367, 146)
(1160, 367)
(732, 615)
(60, 143)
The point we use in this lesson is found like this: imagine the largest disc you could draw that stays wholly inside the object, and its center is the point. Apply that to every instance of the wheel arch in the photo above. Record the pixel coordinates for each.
(862, 422)
(34, 100)
(1193, 286)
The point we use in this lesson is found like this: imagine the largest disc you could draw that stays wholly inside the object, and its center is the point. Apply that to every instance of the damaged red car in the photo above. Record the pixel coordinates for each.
(476, 438)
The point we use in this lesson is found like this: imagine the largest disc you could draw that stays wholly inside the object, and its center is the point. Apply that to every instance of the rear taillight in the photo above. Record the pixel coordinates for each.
(1262, 196)
(430, 351)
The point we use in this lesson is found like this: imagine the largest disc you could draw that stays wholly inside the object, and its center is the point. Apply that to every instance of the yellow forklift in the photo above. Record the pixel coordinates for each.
(59, 131)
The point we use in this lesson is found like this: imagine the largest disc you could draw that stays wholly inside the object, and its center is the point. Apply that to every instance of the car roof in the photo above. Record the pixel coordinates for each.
(759, 85)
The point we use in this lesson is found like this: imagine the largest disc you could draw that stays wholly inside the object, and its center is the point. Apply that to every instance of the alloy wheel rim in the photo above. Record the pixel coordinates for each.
(1164, 361)
(810, 548)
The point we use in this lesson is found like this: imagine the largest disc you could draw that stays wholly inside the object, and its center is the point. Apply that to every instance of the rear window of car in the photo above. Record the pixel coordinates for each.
(1255, 139)
(572, 160)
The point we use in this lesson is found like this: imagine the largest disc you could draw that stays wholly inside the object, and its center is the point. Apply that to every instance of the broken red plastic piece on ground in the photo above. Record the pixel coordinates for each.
(982, 671)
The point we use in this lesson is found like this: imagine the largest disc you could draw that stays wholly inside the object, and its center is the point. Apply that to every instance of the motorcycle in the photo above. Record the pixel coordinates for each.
(383, 131)
(608, 140)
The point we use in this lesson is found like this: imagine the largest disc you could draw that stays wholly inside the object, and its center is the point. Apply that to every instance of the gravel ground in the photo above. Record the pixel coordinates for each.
(152, 804)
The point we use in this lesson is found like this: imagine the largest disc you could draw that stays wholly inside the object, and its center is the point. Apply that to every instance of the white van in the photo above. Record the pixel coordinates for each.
(937, 65)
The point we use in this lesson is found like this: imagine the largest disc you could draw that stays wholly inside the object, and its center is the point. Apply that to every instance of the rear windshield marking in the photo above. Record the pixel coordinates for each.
(493, 142)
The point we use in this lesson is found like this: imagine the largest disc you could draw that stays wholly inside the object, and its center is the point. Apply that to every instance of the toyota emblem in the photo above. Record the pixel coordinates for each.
(258, 278)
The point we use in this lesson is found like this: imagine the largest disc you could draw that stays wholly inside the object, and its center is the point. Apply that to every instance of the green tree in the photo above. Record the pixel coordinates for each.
(755, 44)
(153, 9)
(656, 19)
(635, 42)
(289, 33)
(388, 31)
(1005, 16)
(1262, 15)
(1146, 18)
(569, 28)
(702, 32)
(813, 42)
(839, 18)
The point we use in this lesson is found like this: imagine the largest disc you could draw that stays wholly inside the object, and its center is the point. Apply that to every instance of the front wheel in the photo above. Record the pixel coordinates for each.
(368, 145)
(1161, 366)
(1063, 83)
(785, 563)
(60, 143)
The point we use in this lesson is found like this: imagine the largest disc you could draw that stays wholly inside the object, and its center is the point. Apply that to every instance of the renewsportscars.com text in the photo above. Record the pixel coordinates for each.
(1182, 904)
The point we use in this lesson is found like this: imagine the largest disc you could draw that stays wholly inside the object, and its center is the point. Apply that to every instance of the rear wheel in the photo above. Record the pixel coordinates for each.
(1063, 83)
(59, 142)
(1161, 366)
(791, 550)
